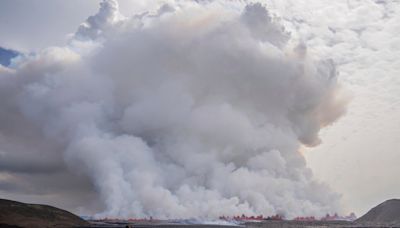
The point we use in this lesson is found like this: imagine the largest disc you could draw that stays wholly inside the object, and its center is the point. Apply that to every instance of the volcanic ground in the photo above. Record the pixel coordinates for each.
(16, 214)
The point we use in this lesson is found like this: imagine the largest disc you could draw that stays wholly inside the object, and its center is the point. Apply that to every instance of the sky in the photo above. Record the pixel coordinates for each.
(359, 153)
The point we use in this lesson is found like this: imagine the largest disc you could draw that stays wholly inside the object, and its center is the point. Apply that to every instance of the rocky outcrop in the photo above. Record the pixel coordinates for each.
(16, 214)
(386, 213)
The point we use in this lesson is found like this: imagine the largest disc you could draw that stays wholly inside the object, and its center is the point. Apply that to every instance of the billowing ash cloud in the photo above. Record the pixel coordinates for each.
(198, 109)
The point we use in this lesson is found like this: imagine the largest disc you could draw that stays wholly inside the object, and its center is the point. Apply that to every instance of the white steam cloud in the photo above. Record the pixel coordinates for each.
(198, 109)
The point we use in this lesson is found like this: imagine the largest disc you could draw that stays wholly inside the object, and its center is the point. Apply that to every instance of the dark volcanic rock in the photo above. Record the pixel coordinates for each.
(387, 212)
(16, 214)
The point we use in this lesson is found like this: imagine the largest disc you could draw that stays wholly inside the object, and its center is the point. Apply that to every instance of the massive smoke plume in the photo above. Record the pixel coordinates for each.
(197, 109)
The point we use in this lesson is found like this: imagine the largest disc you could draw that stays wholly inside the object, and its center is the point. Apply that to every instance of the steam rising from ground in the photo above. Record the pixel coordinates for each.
(193, 110)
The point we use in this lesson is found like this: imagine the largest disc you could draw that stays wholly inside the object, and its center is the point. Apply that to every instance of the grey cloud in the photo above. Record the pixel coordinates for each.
(26, 164)
(36, 24)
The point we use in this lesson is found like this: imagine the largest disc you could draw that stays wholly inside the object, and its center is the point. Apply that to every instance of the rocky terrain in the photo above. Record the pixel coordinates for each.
(385, 214)
(16, 214)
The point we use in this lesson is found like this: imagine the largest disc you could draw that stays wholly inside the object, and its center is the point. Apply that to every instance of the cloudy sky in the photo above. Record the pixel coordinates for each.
(359, 154)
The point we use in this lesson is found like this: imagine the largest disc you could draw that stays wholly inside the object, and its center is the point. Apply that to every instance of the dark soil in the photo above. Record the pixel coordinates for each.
(386, 213)
(16, 214)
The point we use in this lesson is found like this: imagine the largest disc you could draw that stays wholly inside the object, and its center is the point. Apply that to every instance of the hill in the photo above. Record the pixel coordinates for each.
(16, 214)
(387, 212)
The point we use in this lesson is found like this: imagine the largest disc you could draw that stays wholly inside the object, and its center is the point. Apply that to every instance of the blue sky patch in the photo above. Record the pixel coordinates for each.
(6, 55)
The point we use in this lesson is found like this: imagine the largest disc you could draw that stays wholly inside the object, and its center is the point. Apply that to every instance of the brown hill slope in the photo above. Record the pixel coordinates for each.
(387, 212)
(35, 215)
